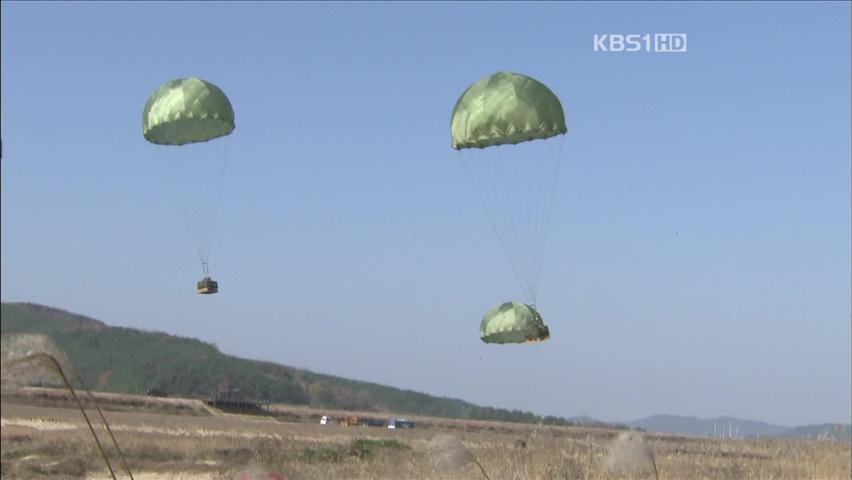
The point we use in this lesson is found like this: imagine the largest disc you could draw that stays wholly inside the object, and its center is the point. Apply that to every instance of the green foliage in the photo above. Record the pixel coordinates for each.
(323, 454)
(365, 448)
(13, 454)
(127, 360)
(156, 453)
(235, 455)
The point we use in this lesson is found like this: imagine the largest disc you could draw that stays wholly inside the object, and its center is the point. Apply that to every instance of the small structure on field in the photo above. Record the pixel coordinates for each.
(156, 392)
(354, 421)
(395, 423)
(374, 422)
(225, 397)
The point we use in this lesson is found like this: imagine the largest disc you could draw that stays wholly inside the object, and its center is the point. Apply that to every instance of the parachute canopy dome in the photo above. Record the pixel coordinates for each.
(505, 108)
(513, 322)
(187, 110)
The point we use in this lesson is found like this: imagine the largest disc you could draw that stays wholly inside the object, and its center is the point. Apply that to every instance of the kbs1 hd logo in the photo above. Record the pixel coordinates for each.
(634, 42)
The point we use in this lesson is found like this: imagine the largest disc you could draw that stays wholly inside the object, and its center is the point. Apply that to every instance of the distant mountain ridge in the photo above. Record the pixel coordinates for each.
(738, 428)
(837, 431)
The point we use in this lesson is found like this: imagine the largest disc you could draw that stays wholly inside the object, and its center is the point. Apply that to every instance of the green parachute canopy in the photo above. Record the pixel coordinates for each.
(187, 110)
(505, 108)
(513, 322)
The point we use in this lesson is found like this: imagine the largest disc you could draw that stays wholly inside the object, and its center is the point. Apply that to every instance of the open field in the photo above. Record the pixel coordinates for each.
(44, 437)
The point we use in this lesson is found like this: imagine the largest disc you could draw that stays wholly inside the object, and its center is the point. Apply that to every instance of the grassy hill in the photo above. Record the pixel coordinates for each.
(836, 431)
(707, 426)
(127, 360)
(744, 428)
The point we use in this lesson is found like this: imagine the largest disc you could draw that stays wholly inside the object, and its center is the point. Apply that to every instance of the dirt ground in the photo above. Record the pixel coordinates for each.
(44, 437)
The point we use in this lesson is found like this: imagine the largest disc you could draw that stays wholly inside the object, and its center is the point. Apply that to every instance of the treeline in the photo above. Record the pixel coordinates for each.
(126, 360)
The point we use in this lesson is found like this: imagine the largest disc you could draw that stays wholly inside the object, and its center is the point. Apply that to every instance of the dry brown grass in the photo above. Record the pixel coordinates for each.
(162, 445)
(630, 454)
(56, 397)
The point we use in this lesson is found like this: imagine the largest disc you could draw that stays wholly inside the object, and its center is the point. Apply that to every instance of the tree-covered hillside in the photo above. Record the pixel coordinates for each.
(133, 361)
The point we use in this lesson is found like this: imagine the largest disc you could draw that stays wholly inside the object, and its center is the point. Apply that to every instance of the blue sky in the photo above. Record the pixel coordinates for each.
(698, 259)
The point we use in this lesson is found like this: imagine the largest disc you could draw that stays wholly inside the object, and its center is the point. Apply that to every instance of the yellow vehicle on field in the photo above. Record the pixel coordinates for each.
(350, 421)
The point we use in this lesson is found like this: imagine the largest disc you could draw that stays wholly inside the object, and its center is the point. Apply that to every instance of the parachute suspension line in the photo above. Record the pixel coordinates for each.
(203, 211)
(538, 157)
(484, 195)
(536, 170)
(506, 173)
(552, 170)
(185, 213)
(206, 270)
(525, 176)
(493, 219)
(533, 208)
(516, 185)
(206, 162)
(494, 167)
(534, 178)
(221, 163)
(499, 196)
(207, 166)
(518, 181)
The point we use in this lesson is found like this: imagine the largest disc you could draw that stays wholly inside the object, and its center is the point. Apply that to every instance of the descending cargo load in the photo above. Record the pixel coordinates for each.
(183, 117)
(207, 286)
(508, 130)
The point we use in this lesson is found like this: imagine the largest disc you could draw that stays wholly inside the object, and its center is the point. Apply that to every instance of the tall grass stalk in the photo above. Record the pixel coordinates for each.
(449, 452)
(50, 362)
